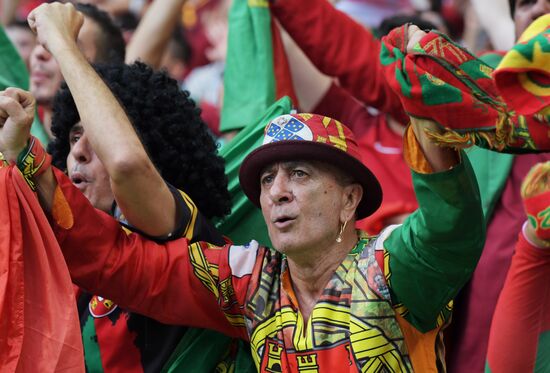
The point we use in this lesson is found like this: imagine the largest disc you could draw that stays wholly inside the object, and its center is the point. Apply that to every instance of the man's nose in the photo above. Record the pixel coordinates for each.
(40, 53)
(281, 190)
(81, 150)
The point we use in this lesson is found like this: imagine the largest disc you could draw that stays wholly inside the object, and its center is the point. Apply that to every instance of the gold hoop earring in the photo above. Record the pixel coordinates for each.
(342, 227)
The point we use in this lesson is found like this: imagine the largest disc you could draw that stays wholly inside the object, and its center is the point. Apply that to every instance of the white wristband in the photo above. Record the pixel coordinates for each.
(523, 228)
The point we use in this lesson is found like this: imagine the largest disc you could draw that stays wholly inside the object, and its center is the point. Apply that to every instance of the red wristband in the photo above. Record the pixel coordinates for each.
(33, 161)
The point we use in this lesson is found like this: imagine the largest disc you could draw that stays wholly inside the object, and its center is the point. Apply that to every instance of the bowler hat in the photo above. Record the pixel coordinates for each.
(310, 137)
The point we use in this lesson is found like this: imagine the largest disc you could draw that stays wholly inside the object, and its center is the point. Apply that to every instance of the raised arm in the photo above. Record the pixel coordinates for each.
(521, 313)
(433, 253)
(158, 280)
(163, 281)
(153, 33)
(339, 47)
(106, 125)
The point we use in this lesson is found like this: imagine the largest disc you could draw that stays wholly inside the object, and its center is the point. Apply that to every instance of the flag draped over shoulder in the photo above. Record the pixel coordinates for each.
(445, 83)
(256, 71)
(39, 327)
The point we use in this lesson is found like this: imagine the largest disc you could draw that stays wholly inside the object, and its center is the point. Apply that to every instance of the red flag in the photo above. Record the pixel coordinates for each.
(39, 327)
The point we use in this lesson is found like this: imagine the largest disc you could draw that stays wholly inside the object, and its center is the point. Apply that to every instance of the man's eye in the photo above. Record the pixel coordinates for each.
(267, 179)
(299, 173)
(73, 139)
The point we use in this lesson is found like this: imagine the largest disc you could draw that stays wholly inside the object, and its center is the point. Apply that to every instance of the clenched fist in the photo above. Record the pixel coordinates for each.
(16, 117)
(56, 25)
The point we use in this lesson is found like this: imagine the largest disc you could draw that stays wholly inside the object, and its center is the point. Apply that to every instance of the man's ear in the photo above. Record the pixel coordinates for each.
(352, 196)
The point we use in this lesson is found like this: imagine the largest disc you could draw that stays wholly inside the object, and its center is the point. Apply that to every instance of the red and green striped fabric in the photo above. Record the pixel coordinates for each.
(445, 83)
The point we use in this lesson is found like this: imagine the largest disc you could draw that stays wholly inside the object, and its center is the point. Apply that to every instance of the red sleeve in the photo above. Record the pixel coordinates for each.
(340, 47)
(338, 104)
(522, 311)
(174, 282)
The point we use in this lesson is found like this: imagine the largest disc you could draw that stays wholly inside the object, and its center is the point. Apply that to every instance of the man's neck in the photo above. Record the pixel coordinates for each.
(310, 277)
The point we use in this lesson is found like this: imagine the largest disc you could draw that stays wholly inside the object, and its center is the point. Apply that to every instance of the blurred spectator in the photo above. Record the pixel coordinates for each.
(118, 7)
(22, 38)
(100, 41)
(206, 82)
(177, 55)
(127, 22)
(424, 21)
(494, 18)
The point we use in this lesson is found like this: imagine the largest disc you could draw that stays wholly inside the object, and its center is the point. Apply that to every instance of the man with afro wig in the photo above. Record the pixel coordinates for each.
(186, 187)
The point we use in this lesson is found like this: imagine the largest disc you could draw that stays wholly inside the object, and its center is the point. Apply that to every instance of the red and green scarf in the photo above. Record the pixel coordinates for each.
(445, 83)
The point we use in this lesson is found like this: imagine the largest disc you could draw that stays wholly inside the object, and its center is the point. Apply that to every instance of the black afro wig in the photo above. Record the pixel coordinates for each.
(169, 126)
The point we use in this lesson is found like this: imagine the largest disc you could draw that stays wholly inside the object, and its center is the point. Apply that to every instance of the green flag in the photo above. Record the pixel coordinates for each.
(249, 82)
(256, 71)
(13, 72)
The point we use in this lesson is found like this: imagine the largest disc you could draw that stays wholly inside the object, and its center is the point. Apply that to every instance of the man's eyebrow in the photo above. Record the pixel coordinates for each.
(76, 128)
(267, 169)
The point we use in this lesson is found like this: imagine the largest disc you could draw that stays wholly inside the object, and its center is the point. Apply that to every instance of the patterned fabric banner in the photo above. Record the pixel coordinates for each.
(445, 83)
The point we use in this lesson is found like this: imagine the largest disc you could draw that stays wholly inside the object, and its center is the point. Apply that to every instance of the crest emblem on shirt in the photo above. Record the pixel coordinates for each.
(287, 127)
(101, 307)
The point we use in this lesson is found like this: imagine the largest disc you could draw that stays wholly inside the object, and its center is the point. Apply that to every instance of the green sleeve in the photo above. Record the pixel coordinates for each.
(434, 252)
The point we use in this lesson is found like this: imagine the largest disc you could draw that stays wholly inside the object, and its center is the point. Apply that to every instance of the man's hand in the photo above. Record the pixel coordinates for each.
(414, 35)
(56, 25)
(535, 192)
(16, 116)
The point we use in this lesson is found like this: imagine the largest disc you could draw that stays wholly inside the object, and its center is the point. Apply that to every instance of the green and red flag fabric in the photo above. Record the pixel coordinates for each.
(39, 327)
(441, 81)
(523, 75)
(256, 71)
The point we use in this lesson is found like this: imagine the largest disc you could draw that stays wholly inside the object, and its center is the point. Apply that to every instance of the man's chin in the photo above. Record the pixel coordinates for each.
(43, 100)
(285, 246)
